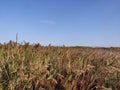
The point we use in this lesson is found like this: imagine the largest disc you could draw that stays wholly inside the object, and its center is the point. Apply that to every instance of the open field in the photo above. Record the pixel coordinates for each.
(35, 67)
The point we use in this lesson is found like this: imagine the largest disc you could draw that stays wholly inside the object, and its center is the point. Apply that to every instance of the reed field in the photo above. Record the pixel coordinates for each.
(35, 67)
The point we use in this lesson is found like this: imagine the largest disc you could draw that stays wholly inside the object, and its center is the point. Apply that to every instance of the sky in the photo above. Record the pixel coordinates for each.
(61, 22)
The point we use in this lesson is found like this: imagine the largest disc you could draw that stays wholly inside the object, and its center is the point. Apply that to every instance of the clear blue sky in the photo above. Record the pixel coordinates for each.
(68, 22)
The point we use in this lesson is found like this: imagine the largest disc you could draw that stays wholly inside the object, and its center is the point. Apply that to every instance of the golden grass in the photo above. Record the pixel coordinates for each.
(35, 67)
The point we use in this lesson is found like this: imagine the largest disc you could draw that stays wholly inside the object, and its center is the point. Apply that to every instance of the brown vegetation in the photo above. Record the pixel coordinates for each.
(36, 67)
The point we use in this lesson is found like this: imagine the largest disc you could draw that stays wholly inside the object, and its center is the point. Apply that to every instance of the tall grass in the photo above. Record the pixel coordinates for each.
(36, 67)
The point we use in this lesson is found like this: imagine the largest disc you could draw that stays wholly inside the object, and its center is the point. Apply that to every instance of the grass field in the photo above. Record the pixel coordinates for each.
(36, 67)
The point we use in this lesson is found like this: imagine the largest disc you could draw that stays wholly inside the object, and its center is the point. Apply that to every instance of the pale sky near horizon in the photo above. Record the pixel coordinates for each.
(68, 22)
